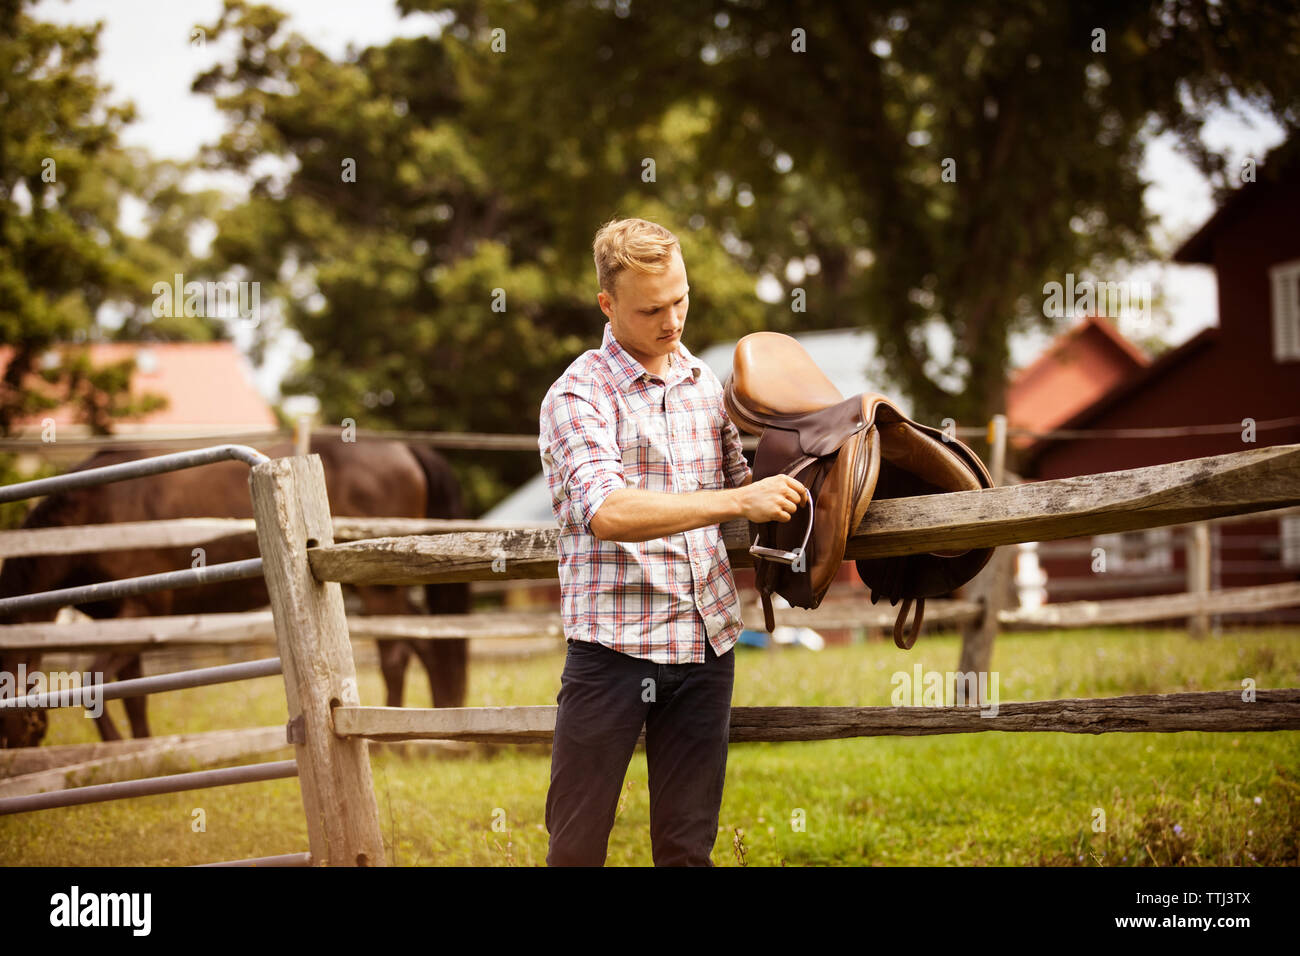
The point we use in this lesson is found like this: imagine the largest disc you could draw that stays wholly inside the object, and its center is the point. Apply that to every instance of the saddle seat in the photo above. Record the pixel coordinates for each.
(847, 452)
(773, 375)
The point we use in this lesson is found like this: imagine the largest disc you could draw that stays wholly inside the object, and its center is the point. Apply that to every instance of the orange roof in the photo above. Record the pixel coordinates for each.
(1079, 367)
(206, 383)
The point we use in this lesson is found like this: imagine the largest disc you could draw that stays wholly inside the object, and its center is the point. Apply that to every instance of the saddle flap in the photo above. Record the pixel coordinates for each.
(820, 433)
(841, 484)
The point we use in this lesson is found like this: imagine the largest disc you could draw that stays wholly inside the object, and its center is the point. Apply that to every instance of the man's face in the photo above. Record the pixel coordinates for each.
(647, 312)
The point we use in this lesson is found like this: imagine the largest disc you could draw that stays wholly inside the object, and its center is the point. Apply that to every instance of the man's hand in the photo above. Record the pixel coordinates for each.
(635, 514)
(773, 499)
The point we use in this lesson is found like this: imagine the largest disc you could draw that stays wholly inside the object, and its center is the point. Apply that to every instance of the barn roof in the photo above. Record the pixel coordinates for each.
(1122, 392)
(1282, 164)
(205, 383)
(1078, 367)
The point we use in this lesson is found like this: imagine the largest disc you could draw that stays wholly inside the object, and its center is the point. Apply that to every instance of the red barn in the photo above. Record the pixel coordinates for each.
(1243, 374)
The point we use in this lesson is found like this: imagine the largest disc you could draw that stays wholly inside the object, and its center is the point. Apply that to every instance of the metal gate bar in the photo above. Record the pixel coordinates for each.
(127, 587)
(172, 783)
(130, 469)
(140, 686)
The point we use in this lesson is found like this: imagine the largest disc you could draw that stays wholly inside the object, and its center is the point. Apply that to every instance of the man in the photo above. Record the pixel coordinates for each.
(642, 466)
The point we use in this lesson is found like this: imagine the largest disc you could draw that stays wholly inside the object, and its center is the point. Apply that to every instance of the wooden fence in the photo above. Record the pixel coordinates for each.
(305, 568)
(305, 563)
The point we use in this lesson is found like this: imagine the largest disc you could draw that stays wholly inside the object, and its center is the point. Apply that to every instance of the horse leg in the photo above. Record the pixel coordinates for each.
(127, 665)
(393, 654)
(137, 708)
(25, 727)
(105, 668)
(447, 662)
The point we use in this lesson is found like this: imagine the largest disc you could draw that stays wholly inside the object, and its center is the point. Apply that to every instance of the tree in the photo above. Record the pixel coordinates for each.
(940, 162)
(433, 296)
(63, 256)
(901, 170)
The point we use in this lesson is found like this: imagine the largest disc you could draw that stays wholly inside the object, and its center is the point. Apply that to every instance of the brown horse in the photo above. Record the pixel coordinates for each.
(369, 478)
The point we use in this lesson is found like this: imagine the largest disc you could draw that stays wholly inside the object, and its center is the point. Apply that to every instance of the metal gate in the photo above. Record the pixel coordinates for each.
(199, 677)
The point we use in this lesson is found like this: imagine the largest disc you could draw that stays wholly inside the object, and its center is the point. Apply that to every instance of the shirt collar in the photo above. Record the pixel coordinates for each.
(628, 371)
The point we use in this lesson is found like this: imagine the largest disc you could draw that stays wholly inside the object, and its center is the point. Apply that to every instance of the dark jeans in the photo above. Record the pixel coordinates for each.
(604, 699)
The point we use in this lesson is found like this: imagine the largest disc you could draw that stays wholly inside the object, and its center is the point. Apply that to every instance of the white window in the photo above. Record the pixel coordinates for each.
(1286, 311)
(1149, 550)
(1159, 549)
(1112, 545)
(1290, 541)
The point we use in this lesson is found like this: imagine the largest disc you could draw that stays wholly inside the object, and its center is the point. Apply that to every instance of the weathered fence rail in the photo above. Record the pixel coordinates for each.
(1216, 711)
(1257, 480)
(31, 771)
(189, 532)
(1158, 607)
(258, 627)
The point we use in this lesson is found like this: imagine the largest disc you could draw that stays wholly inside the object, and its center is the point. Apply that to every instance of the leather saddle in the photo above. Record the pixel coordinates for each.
(846, 452)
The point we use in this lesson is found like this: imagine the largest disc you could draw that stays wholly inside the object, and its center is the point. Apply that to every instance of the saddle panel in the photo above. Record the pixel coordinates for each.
(944, 466)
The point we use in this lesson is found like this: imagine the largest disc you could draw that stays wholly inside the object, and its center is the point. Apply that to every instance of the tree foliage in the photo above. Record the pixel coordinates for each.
(835, 121)
(903, 169)
(64, 257)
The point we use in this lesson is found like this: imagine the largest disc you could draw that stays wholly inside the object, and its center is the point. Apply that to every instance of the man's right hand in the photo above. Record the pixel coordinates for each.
(772, 499)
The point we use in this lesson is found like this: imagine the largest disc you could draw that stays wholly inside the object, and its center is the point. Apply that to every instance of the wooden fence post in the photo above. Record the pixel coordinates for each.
(1198, 574)
(991, 585)
(302, 435)
(311, 632)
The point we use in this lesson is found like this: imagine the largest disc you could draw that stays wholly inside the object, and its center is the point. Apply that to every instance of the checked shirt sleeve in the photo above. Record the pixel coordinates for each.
(733, 454)
(580, 454)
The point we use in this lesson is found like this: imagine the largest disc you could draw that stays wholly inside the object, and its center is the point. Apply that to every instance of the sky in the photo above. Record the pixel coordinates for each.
(150, 55)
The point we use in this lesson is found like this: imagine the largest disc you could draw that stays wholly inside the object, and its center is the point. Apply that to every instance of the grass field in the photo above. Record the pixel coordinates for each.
(996, 798)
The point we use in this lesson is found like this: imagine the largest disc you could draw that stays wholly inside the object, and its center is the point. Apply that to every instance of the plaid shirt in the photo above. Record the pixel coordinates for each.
(607, 424)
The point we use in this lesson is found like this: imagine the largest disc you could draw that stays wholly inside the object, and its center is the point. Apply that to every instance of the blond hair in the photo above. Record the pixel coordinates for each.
(635, 244)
